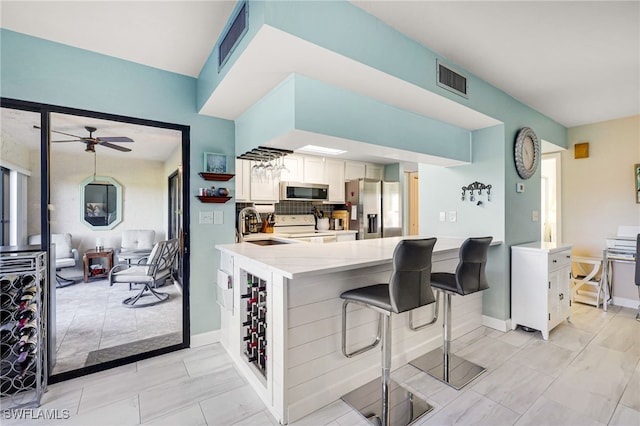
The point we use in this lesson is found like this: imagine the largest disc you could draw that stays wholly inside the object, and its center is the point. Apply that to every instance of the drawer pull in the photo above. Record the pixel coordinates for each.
(561, 296)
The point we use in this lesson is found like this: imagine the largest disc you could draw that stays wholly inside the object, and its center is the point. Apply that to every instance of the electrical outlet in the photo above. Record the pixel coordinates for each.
(443, 217)
(206, 218)
(535, 216)
(453, 216)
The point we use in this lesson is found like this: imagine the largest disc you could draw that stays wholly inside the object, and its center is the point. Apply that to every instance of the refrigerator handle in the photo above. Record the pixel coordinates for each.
(372, 223)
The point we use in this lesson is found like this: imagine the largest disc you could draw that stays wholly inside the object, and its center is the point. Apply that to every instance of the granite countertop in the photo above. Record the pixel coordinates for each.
(294, 260)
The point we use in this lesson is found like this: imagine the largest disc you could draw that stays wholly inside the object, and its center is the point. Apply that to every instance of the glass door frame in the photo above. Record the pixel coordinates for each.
(45, 111)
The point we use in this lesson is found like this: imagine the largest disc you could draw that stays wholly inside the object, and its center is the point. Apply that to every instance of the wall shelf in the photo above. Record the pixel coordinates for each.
(221, 177)
(205, 199)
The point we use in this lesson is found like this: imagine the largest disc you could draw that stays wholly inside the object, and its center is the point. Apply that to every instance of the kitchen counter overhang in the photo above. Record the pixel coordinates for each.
(296, 260)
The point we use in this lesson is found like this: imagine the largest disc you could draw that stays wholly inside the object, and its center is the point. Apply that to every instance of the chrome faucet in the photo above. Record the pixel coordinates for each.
(241, 216)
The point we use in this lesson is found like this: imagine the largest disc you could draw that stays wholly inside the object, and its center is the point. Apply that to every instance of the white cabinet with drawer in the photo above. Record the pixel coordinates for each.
(540, 285)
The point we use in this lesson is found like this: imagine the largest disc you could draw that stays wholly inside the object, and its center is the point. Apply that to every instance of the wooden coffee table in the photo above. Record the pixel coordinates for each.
(105, 253)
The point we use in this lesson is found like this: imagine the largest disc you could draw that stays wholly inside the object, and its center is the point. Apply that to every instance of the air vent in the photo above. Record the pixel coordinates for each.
(232, 37)
(451, 80)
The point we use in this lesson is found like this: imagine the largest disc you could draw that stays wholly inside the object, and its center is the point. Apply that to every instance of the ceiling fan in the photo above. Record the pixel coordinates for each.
(92, 141)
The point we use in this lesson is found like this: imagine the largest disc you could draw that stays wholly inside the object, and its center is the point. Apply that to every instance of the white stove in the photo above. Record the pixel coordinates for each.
(300, 226)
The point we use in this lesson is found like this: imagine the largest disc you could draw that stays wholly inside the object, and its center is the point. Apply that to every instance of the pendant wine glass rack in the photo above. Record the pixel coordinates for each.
(264, 153)
(268, 164)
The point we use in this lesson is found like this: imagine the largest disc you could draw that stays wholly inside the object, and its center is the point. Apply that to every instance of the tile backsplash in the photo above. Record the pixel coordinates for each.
(297, 207)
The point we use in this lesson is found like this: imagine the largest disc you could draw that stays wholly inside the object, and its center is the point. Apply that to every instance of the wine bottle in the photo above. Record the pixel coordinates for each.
(7, 283)
(24, 366)
(23, 317)
(29, 347)
(27, 281)
(28, 326)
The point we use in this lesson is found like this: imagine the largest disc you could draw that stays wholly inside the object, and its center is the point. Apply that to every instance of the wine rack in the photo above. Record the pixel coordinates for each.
(254, 301)
(23, 372)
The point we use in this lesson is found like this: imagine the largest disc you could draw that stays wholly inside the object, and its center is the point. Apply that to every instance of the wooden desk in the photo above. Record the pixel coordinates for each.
(106, 253)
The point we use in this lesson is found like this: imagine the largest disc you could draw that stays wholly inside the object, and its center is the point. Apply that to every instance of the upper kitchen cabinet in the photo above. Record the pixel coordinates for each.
(252, 189)
(294, 169)
(314, 170)
(374, 171)
(243, 180)
(353, 170)
(334, 177)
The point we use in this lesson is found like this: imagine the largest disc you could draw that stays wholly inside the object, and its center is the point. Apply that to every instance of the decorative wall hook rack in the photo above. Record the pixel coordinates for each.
(476, 186)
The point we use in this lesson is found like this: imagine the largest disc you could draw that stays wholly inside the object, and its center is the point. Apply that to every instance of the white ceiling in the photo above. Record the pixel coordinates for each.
(576, 62)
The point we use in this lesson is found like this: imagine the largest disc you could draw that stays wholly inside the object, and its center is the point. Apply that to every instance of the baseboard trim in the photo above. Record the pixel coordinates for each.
(207, 338)
(496, 324)
(625, 303)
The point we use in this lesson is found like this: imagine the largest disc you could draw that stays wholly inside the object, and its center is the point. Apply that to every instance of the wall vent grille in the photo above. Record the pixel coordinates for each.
(232, 37)
(451, 80)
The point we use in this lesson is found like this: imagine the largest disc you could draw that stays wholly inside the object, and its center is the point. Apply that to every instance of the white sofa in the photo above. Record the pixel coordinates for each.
(136, 244)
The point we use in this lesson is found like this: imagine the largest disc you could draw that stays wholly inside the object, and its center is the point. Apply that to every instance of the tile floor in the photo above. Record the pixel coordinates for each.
(90, 316)
(588, 373)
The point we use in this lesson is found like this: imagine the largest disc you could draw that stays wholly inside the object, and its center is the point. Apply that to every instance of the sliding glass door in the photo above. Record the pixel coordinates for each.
(107, 184)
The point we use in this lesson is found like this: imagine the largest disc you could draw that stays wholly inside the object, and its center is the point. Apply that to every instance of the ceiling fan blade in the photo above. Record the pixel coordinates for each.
(110, 145)
(70, 140)
(62, 133)
(114, 139)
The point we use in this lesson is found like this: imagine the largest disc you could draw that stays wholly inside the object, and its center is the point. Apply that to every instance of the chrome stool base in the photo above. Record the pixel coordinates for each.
(405, 407)
(460, 373)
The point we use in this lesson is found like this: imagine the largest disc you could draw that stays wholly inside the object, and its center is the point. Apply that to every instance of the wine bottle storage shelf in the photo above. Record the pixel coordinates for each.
(254, 303)
(22, 329)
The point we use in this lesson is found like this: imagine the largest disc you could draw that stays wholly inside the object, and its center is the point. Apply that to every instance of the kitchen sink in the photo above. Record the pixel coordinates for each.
(268, 242)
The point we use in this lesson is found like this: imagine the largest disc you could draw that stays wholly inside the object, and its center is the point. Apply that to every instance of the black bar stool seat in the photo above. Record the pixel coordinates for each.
(469, 278)
(408, 288)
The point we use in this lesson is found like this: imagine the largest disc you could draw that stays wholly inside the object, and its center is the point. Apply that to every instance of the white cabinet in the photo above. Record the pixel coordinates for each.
(374, 171)
(265, 189)
(540, 285)
(313, 169)
(249, 189)
(353, 170)
(243, 180)
(294, 169)
(334, 177)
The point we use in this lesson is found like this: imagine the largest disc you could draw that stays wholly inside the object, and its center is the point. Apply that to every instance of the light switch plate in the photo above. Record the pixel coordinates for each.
(453, 216)
(218, 217)
(443, 217)
(206, 218)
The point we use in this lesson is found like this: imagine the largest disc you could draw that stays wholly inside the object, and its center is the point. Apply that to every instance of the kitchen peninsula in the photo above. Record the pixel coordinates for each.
(281, 323)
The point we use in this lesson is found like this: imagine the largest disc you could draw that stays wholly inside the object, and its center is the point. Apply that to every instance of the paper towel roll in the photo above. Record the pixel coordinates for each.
(265, 208)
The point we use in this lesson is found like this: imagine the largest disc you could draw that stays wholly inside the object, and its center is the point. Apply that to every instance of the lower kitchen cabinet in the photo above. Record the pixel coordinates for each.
(540, 285)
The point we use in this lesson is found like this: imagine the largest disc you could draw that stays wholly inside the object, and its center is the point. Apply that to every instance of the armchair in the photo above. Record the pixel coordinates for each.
(136, 245)
(66, 255)
(156, 269)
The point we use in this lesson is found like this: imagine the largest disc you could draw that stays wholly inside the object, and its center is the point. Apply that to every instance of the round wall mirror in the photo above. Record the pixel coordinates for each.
(100, 202)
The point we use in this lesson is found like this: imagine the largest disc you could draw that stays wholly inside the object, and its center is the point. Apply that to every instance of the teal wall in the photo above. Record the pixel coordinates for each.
(210, 75)
(42, 71)
(272, 116)
(306, 104)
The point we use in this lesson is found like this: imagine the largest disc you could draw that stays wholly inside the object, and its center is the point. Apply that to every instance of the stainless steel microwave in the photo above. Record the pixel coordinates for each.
(304, 191)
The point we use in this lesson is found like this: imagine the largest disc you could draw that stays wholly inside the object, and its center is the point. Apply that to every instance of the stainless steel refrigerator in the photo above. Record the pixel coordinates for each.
(375, 208)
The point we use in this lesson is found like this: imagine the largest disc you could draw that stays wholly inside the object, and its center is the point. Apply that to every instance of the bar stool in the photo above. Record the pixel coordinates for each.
(408, 288)
(469, 278)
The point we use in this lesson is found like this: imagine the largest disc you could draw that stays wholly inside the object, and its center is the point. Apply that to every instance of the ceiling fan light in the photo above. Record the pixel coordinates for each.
(90, 148)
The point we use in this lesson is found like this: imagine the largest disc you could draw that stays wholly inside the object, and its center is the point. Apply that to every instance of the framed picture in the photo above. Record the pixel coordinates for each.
(215, 163)
(636, 170)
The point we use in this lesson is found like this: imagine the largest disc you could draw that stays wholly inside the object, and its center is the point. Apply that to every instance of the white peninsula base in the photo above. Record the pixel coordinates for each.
(305, 368)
